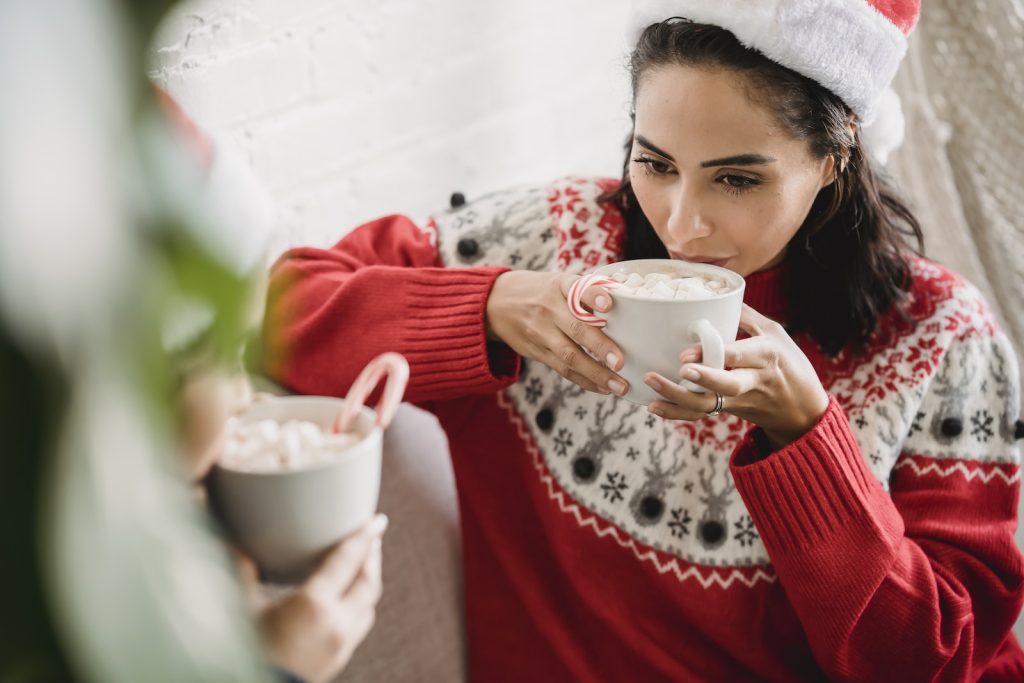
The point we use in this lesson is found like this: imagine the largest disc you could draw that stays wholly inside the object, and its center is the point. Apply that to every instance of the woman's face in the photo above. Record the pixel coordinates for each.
(717, 177)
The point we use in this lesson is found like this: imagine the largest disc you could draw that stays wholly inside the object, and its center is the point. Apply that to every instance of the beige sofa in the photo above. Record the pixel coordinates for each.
(419, 633)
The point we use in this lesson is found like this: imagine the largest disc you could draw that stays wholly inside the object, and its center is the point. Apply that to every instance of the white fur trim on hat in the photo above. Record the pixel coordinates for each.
(885, 134)
(845, 45)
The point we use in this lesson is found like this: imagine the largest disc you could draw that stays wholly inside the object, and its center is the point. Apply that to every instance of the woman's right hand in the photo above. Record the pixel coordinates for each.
(314, 631)
(528, 311)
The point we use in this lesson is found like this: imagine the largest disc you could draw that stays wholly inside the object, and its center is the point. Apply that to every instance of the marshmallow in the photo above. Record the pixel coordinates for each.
(268, 446)
(634, 280)
(678, 286)
(661, 290)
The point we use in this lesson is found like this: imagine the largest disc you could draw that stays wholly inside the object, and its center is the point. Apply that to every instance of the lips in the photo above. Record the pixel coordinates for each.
(709, 260)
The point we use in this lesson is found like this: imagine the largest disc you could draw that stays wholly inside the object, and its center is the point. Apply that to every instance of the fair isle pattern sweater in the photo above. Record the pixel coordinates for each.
(604, 544)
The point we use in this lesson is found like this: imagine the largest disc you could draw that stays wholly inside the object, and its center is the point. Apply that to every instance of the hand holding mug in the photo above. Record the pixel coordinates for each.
(314, 630)
(528, 311)
(677, 303)
(770, 383)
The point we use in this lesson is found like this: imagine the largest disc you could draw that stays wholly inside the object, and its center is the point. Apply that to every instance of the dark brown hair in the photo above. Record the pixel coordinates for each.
(847, 264)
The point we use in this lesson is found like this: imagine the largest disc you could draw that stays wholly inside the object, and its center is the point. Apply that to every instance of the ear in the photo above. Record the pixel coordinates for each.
(828, 172)
(852, 125)
(829, 169)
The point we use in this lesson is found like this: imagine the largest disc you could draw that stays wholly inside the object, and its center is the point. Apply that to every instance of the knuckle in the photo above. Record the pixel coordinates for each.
(336, 637)
(307, 602)
(731, 390)
(312, 608)
(568, 355)
(535, 310)
(577, 328)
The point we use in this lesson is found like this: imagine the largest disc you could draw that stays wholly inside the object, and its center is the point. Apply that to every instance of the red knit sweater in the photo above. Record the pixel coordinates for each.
(603, 544)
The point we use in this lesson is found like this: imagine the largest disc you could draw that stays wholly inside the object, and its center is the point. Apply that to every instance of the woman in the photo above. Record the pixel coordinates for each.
(847, 514)
(310, 633)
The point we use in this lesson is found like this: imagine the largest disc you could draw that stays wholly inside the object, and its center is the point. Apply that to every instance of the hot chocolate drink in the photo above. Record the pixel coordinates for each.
(680, 285)
(661, 307)
(272, 446)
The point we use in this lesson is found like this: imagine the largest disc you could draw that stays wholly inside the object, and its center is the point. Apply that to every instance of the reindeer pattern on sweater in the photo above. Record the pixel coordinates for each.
(941, 400)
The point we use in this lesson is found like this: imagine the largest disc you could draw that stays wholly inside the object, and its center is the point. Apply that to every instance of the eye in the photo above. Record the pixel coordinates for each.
(738, 183)
(653, 166)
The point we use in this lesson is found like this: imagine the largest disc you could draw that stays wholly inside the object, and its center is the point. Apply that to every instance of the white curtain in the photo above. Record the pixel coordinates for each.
(962, 86)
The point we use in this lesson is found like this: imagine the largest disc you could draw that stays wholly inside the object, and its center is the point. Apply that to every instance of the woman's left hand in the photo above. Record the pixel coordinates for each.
(770, 383)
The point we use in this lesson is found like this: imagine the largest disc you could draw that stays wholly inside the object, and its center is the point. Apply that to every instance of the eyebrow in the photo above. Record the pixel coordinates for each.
(735, 160)
(738, 160)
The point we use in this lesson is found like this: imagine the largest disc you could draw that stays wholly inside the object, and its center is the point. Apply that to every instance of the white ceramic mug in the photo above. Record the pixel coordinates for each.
(287, 520)
(652, 333)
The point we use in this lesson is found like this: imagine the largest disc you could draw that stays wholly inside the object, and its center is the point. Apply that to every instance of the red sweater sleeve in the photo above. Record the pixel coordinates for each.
(924, 584)
(382, 288)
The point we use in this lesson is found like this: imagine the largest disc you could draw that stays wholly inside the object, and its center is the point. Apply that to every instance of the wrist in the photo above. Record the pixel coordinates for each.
(780, 437)
(492, 307)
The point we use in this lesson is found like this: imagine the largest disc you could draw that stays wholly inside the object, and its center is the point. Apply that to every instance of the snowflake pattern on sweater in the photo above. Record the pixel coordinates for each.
(944, 393)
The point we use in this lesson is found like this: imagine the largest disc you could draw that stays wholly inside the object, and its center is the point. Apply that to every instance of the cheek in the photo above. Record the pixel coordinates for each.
(791, 206)
(650, 198)
(767, 229)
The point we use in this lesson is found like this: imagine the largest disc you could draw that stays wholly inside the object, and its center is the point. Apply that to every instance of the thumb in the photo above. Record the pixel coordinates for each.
(249, 578)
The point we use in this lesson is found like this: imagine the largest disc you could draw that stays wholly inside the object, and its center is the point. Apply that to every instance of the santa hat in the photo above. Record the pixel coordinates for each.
(852, 47)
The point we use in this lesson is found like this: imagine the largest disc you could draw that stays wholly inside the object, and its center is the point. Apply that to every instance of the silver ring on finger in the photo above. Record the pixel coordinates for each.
(719, 405)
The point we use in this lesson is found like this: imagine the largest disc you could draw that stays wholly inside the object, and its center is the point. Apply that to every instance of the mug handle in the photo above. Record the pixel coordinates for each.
(713, 347)
(396, 369)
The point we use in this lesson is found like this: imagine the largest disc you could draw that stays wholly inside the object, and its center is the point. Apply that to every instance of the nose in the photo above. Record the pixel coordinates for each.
(687, 220)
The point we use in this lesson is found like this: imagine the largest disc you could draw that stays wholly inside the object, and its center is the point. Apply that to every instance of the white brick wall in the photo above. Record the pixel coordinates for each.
(349, 111)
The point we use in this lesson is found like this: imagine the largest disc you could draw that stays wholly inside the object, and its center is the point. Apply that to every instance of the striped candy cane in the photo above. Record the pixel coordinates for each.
(575, 298)
(396, 369)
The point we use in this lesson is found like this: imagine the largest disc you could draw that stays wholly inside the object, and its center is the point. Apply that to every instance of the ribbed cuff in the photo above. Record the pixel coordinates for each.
(448, 345)
(816, 490)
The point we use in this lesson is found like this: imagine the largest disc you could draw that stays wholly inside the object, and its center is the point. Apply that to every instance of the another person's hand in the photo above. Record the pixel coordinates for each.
(313, 631)
(528, 311)
(770, 383)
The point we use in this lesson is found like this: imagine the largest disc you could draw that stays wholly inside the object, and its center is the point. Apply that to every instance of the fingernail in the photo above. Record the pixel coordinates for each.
(617, 387)
(612, 360)
(602, 303)
(690, 374)
(653, 384)
(656, 411)
(379, 524)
